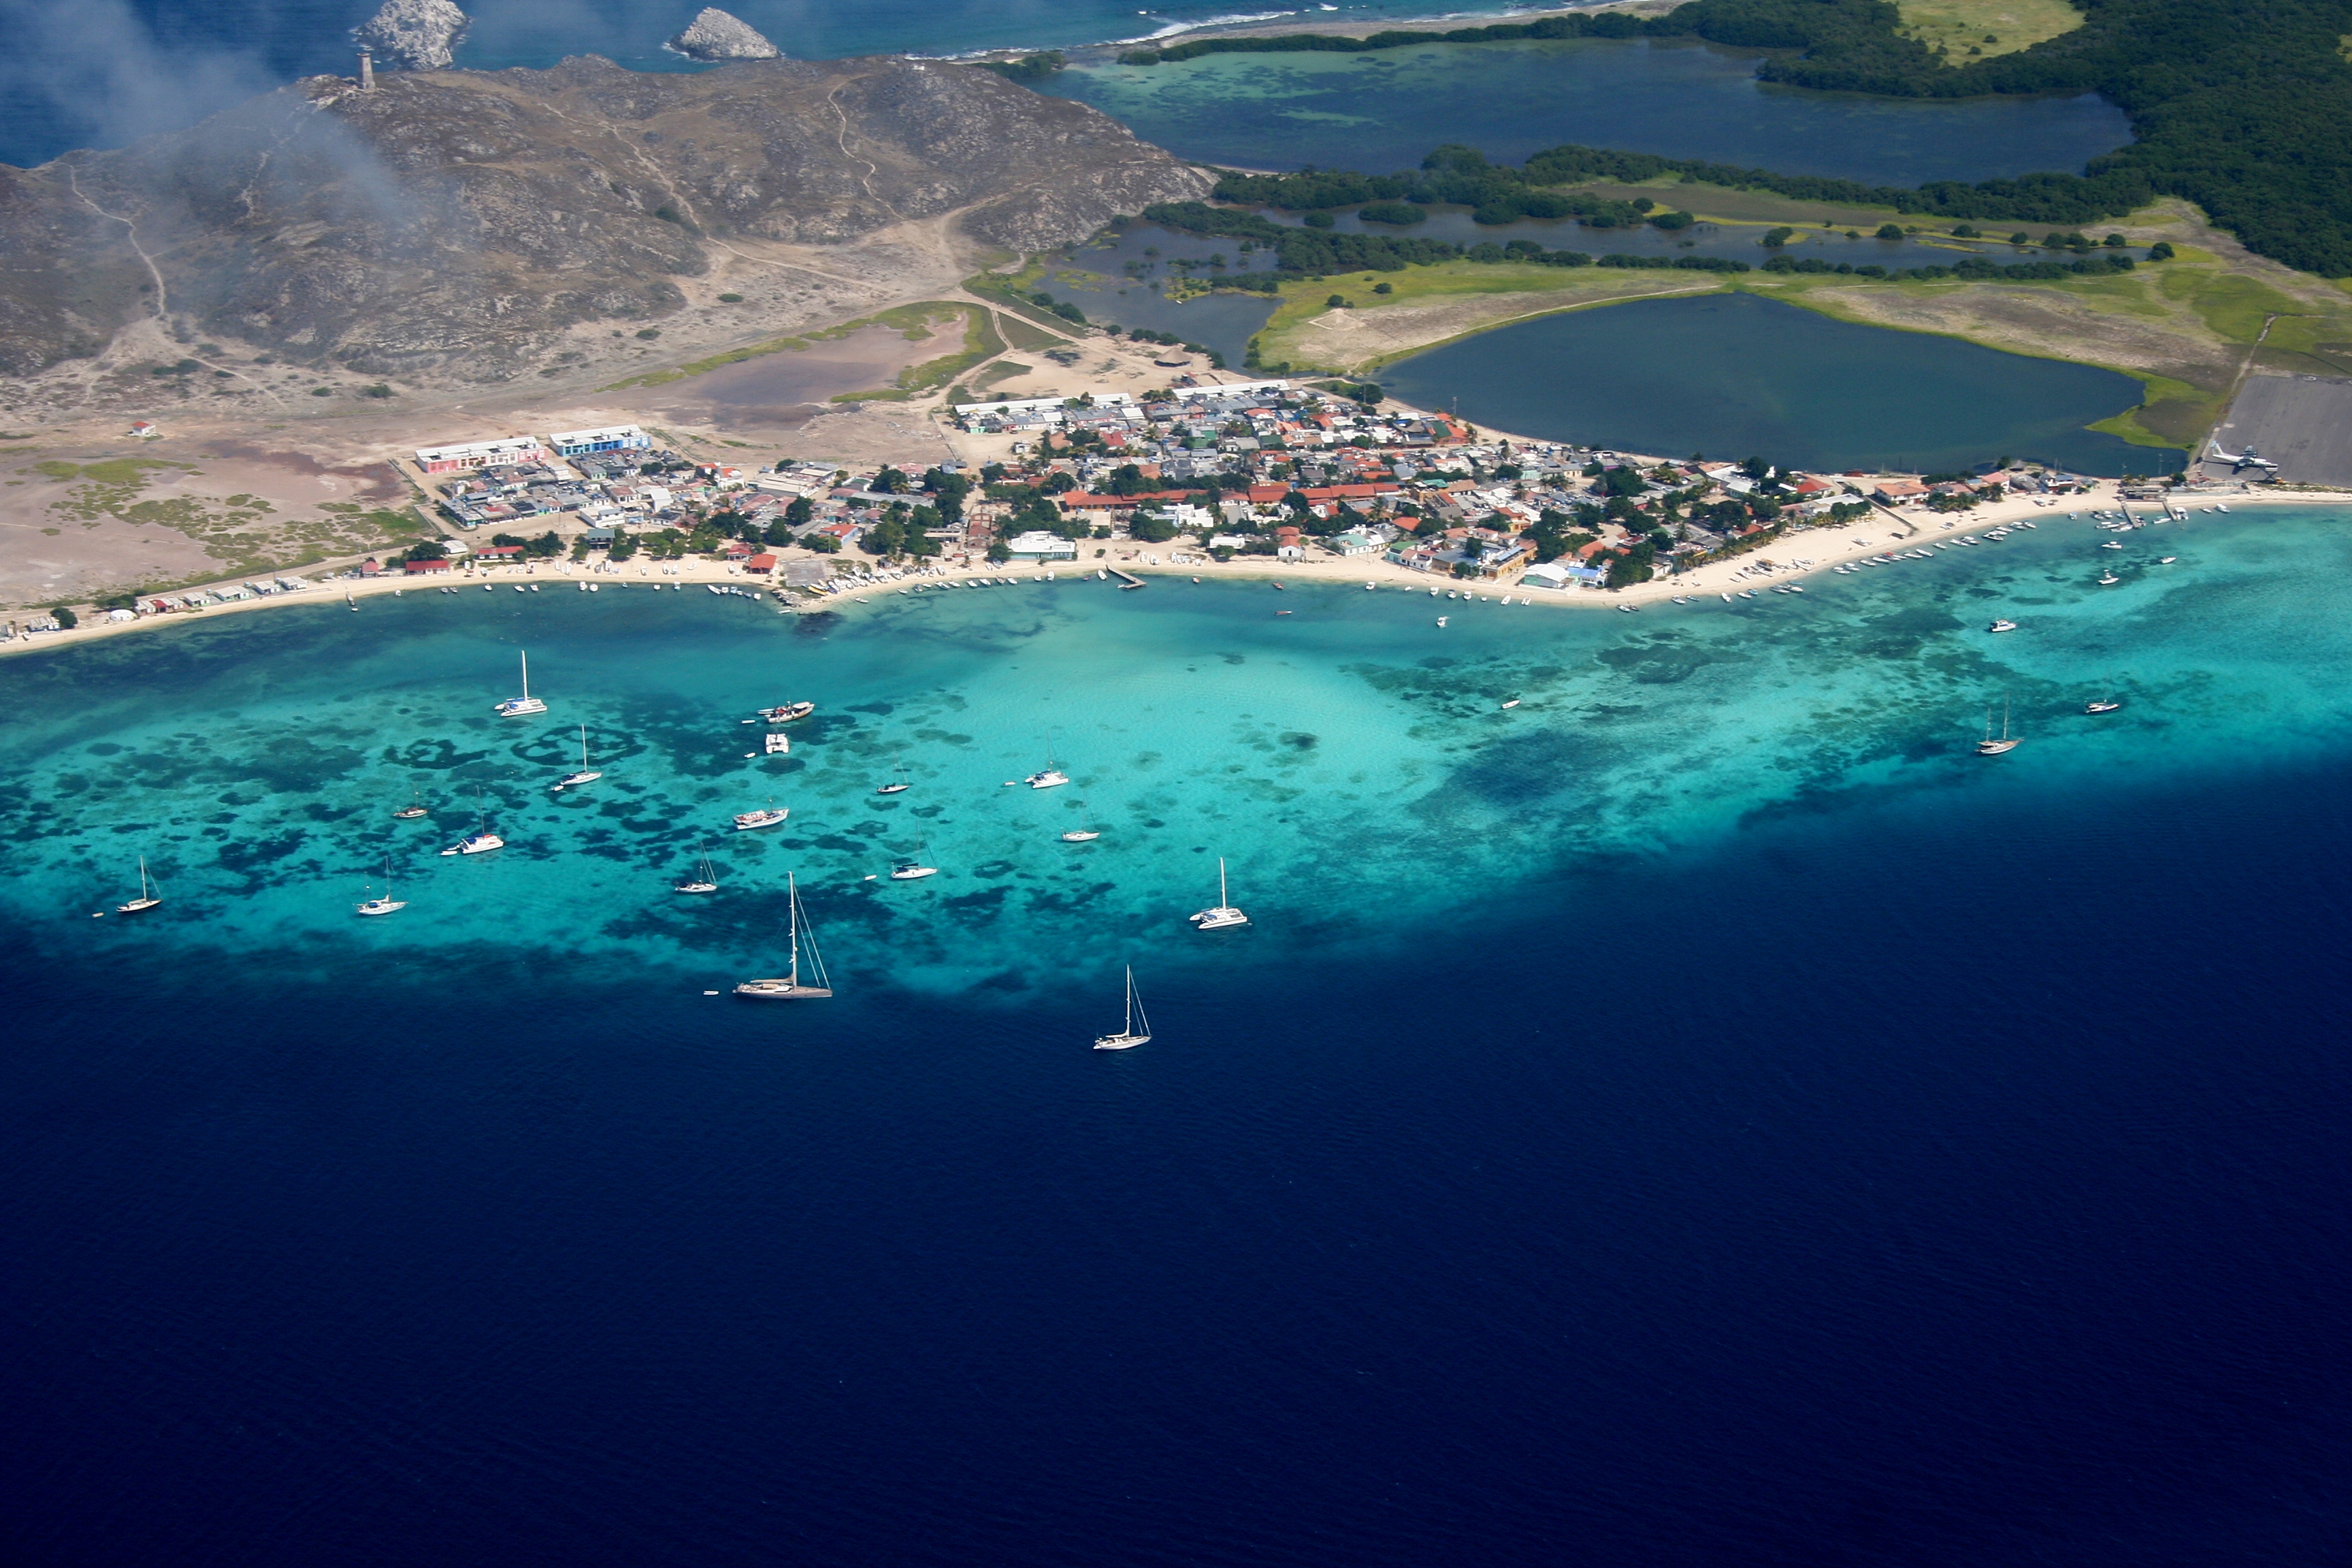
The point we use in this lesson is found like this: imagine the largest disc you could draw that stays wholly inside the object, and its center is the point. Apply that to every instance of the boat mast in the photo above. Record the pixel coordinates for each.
(1223, 901)
(793, 975)
(526, 677)
(1130, 998)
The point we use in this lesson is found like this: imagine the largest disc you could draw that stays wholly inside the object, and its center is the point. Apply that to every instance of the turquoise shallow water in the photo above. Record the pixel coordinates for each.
(1349, 759)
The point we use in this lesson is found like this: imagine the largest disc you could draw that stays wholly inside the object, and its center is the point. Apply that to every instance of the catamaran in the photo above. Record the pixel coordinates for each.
(1130, 1036)
(150, 895)
(1990, 747)
(386, 904)
(789, 988)
(704, 880)
(584, 776)
(1224, 914)
(524, 705)
(1048, 777)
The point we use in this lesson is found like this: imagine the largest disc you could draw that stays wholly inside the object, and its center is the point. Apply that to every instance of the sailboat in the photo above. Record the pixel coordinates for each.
(911, 871)
(480, 842)
(704, 880)
(1129, 1036)
(414, 809)
(745, 821)
(789, 988)
(583, 775)
(2101, 705)
(1048, 777)
(1989, 747)
(1224, 914)
(524, 705)
(898, 785)
(148, 896)
(387, 903)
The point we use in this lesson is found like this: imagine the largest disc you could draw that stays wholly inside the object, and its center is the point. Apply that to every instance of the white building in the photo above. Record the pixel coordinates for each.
(1042, 546)
(456, 456)
(581, 443)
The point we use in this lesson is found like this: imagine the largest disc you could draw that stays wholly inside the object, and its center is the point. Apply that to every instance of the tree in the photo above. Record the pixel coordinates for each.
(800, 511)
(426, 550)
(1150, 528)
(1336, 303)
(65, 616)
(1890, 231)
(999, 552)
(779, 533)
(624, 545)
(824, 543)
(891, 481)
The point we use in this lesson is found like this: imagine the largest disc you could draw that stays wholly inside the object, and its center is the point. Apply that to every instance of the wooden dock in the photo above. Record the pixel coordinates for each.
(1126, 579)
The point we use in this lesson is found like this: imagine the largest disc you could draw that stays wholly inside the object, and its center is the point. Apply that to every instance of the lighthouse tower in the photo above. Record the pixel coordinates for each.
(367, 68)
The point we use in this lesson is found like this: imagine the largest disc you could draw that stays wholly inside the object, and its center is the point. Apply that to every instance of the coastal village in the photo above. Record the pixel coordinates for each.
(1227, 478)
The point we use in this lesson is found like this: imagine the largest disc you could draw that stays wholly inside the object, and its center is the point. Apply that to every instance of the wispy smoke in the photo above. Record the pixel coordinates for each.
(92, 73)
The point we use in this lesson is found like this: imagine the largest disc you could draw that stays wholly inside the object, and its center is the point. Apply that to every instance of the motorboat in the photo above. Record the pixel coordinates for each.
(1513, 702)
(1224, 915)
(2109, 579)
(787, 987)
(1129, 1034)
(477, 844)
(772, 813)
(524, 705)
(786, 712)
(1441, 620)
(2165, 560)
(2002, 626)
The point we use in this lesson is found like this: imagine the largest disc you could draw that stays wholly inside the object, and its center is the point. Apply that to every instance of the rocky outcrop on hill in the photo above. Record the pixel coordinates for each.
(417, 34)
(457, 223)
(715, 36)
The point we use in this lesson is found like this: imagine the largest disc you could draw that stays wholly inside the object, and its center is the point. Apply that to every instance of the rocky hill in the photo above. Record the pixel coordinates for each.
(456, 222)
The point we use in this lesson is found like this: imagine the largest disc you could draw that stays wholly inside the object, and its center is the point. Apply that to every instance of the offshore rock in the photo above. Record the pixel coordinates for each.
(713, 34)
(457, 223)
(417, 34)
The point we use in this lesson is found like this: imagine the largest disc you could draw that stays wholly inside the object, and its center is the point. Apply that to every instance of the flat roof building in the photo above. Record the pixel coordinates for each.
(582, 443)
(455, 456)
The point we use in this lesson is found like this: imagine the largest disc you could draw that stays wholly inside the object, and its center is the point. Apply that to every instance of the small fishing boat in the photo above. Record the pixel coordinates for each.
(2109, 579)
(1441, 620)
(2165, 560)
(585, 774)
(786, 712)
(150, 895)
(1224, 915)
(745, 821)
(1129, 1036)
(386, 904)
(788, 987)
(524, 705)
(1513, 702)
(704, 880)
(2112, 544)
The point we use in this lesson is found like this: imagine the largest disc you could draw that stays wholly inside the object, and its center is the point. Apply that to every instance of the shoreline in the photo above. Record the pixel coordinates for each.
(1821, 549)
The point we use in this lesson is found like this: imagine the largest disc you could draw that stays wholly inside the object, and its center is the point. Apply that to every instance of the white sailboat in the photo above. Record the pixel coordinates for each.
(584, 776)
(704, 880)
(1224, 914)
(386, 904)
(1130, 1036)
(481, 841)
(519, 707)
(911, 871)
(150, 895)
(414, 809)
(1990, 747)
(900, 783)
(745, 821)
(788, 988)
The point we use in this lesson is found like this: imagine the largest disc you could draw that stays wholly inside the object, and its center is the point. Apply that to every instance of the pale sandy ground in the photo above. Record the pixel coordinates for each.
(1820, 549)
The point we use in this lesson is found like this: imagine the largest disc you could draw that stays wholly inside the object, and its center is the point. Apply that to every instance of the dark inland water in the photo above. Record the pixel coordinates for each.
(1735, 376)
(1385, 110)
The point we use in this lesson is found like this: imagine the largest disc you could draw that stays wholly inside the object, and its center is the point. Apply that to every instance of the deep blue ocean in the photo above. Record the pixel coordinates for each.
(1703, 1116)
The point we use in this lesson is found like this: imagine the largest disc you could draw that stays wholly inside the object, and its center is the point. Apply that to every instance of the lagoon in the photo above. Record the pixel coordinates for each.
(1736, 374)
(1383, 111)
